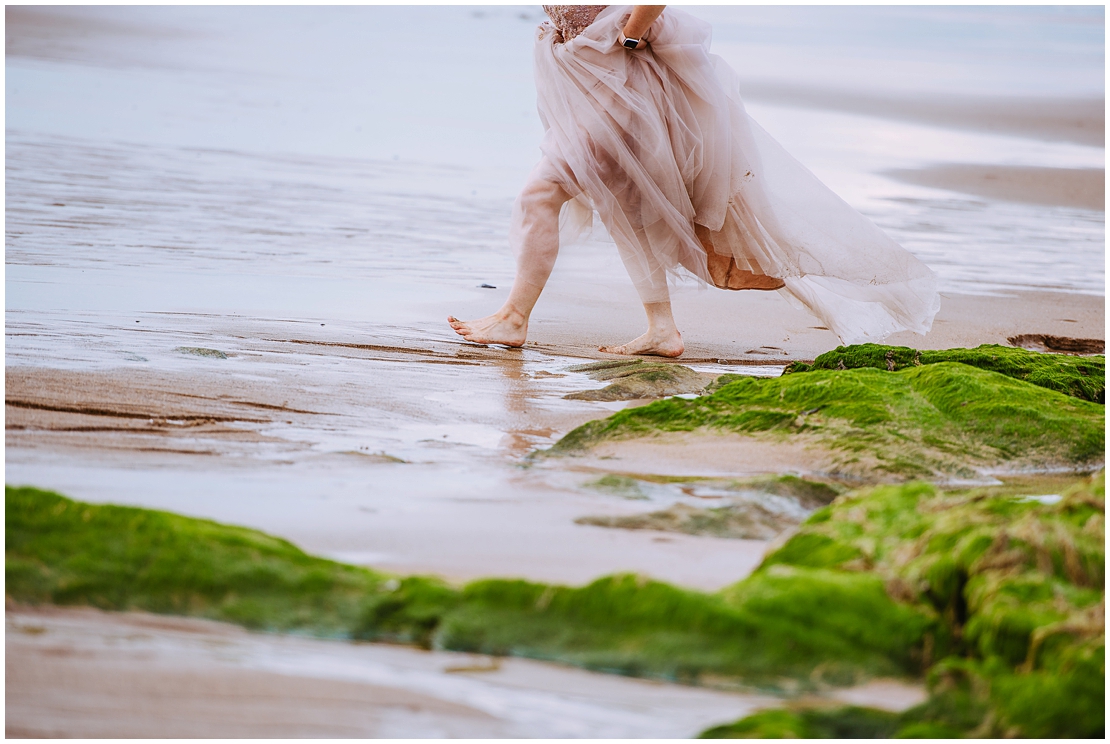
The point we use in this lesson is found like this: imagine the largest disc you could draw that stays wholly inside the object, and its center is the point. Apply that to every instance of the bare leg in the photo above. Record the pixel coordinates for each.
(662, 337)
(535, 230)
(650, 279)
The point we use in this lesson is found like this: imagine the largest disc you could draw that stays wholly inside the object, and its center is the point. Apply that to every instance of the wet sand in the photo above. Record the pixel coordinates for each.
(1079, 120)
(90, 674)
(748, 327)
(1083, 188)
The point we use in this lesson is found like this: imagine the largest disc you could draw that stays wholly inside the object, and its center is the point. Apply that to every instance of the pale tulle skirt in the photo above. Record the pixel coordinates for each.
(658, 141)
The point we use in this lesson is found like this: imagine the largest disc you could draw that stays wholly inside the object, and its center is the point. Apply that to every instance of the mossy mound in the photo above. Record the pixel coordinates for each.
(121, 558)
(635, 379)
(632, 625)
(1079, 377)
(1018, 585)
(944, 419)
(117, 558)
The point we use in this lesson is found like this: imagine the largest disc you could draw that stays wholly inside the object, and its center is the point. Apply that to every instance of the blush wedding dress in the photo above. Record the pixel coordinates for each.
(657, 142)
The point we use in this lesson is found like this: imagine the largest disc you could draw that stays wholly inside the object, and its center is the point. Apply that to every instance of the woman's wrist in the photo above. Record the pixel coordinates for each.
(623, 37)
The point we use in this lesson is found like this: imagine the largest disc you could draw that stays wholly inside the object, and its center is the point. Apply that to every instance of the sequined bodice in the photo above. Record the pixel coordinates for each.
(571, 20)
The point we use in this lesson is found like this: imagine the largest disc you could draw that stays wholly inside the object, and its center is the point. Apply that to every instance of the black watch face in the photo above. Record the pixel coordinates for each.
(631, 43)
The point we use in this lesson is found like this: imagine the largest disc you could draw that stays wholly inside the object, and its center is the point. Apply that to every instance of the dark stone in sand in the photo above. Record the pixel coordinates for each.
(198, 351)
(634, 379)
(1058, 344)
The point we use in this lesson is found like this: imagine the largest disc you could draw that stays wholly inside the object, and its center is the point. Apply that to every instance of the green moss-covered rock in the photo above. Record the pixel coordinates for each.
(775, 628)
(409, 612)
(996, 595)
(1018, 584)
(1079, 377)
(118, 558)
(944, 419)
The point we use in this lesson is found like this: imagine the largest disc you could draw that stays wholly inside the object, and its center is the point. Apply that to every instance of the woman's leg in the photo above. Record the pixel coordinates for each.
(662, 337)
(535, 231)
(650, 279)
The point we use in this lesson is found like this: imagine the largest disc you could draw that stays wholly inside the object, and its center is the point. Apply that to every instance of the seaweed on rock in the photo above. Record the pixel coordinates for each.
(118, 558)
(996, 596)
(815, 723)
(1017, 583)
(1079, 377)
(943, 419)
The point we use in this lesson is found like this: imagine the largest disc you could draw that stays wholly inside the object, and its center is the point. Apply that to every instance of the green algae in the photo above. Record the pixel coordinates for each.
(1018, 587)
(633, 625)
(118, 558)
(938, 420)
(1079, 377)
(839, 723)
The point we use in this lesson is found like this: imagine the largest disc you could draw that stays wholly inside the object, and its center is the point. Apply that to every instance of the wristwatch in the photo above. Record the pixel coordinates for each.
(629, 43)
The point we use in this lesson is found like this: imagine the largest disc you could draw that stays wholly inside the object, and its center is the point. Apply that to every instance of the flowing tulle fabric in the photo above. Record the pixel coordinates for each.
(657, 141)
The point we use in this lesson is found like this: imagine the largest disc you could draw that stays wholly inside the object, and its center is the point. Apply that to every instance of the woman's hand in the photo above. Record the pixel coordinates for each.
(639, 21)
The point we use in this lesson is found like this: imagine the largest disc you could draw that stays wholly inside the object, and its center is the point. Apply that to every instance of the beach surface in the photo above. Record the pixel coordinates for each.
(86, 673)
(231, 253)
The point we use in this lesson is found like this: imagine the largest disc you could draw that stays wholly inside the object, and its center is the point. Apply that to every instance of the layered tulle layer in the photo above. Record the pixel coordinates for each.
(658, 143)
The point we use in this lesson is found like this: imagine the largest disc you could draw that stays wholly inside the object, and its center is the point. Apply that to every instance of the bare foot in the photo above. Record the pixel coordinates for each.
(506, 327)
(655, 344)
